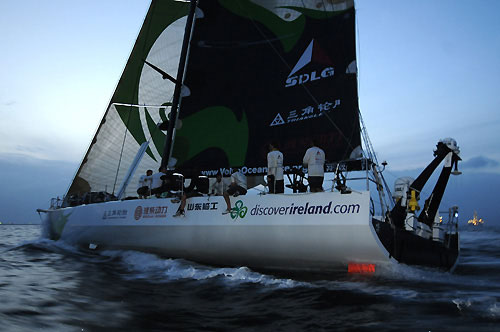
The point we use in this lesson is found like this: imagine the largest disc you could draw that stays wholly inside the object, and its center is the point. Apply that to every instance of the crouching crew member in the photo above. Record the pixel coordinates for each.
(197, 187)
(237, 187)
(158, 185)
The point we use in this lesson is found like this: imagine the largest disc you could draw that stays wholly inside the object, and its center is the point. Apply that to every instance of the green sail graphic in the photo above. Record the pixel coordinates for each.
(214, 127)
(245, 69)
(160, 16)
(289, 33)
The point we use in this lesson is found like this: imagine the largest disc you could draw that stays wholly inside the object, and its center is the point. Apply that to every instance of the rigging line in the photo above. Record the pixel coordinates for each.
(364, 135)
(354, 127)
(121, 153)
(304, 87)
(234, 44)
(324, 8)
(358, 43)
(148, 139)
(372, 155)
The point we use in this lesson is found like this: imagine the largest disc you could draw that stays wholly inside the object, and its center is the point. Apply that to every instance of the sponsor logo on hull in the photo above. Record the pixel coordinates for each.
(115, 214)
(307, 208)
(150, 212)
(239, 210)
(202, 206)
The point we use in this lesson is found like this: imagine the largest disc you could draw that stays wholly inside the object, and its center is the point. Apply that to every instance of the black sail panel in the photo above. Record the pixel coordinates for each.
(271, 72)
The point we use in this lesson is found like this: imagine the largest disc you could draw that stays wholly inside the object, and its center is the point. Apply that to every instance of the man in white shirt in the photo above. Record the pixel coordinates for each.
(217, 188)
(157, 185)
(314, 160)
(237, 187)
(275, 180)
(144, 189)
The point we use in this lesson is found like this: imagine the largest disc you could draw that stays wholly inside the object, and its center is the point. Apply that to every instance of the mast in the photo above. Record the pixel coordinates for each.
(178, 86)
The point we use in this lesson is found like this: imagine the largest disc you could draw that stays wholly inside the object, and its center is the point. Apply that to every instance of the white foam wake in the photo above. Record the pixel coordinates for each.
(485, 306)
(156, 269)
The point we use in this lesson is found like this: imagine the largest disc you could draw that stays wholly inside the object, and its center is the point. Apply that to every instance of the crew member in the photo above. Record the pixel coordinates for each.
(275, 180)
(197, 187)
(144, 189)
(237, 187)
(158, 184)
(217, 188)
(314, 160)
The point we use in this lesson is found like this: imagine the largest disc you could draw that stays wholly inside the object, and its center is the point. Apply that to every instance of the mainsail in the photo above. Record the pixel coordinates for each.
(260, 71)
(257, 71)
(141, 100)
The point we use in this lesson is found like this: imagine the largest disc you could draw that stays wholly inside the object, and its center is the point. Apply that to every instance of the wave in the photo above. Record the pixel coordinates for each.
(156, 269)
(483, 232)
(482, 306)
(138, 266)
(474, 274)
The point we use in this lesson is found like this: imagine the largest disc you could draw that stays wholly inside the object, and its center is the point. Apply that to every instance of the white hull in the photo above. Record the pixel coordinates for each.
(304, 231)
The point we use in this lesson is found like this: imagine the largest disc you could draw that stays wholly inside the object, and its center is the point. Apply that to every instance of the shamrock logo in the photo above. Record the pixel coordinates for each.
(239, 210)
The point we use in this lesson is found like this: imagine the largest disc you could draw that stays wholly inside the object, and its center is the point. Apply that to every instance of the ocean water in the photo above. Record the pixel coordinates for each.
(51, 286)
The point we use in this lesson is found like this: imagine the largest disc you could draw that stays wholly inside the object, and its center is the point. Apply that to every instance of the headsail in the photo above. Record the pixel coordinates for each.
(135, 107)
(259, 71)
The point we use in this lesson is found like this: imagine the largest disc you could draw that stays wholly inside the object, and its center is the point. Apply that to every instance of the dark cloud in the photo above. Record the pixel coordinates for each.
(479, 162)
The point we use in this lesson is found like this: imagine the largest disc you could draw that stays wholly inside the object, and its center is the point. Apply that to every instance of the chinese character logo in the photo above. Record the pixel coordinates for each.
(138, 212)
(239, 210)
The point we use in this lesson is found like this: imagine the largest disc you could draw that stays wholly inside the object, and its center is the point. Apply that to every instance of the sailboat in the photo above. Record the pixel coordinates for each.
(226, 78)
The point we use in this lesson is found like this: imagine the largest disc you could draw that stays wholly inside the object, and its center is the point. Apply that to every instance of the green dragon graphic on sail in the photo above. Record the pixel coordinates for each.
(160, 16)
(203, 123)
(288, 32)
(205, 129)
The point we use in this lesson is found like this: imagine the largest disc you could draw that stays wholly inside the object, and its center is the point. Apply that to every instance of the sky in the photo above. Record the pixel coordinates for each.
(428, 69)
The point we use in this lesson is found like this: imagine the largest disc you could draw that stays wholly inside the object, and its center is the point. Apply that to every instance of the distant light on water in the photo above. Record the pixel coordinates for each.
(475, 221)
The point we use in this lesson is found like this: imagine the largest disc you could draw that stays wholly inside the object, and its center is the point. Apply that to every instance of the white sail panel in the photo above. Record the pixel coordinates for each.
(126, 125)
